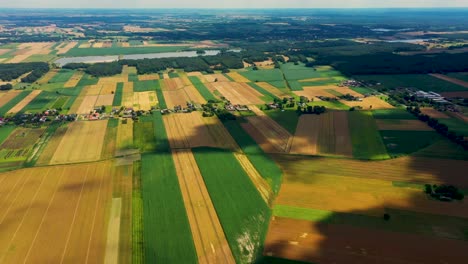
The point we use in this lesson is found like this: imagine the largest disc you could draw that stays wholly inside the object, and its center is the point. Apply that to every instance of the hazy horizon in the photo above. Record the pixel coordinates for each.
(241, 4)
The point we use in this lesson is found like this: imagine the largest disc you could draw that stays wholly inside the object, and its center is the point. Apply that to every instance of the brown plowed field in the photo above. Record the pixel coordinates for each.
(237, 77)
(18, 107)
(7, 96)
(272, 131)
(172, 84)
(55, 214)
(410, 125)
(273, 90)
(82, 142)
(367, 102)
(87, 104)
(343, 143)
(211, 78)
(450, 79)
(434, 113)
(74, 80)
(188, 131)
(238, 93)
(330, 243)
(208, 235)
(305, 140)
(176, 97)
(313, 91)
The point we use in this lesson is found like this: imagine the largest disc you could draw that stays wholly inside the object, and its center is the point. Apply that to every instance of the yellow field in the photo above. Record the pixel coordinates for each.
(7, 96)
(104, 100)
(48, 76)
(65, 48)
(145, 100)
(82, 142)
(237, 77)
(127, 94)
(55, 214)
(87, 104)
(125, 134)
(25, 50)
(216, 78)
(93, 89)
(369, 103)
(208, 235)
(148, 77)
(74, 80)
(237, 93)
(18, 107)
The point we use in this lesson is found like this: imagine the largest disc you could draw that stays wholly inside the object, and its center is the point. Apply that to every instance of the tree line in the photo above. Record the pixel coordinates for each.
(12, 71)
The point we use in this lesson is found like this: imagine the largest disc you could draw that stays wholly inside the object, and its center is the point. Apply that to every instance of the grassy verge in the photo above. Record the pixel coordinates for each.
(118, 95)
(240, 208)
(160, 95)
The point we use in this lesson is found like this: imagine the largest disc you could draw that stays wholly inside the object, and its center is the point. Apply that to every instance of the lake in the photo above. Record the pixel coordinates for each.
(95, 59)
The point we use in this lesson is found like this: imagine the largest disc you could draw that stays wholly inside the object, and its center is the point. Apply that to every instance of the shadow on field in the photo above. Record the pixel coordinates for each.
(419, 230)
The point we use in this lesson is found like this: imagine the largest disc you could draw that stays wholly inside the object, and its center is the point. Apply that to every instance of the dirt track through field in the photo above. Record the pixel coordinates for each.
(450, 79)
(45, 205)
(18, 107)
(210, 243)
(329, 243)
(82, 142)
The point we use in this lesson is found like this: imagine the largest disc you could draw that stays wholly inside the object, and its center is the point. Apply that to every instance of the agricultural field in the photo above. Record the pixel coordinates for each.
(419, 81)
(43, 208)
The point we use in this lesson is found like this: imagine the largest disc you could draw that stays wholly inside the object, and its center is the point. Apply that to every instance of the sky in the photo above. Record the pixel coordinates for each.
(229, 4)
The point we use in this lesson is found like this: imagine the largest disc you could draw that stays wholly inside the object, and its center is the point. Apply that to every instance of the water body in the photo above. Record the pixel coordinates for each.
(96, 59)
(408, 40)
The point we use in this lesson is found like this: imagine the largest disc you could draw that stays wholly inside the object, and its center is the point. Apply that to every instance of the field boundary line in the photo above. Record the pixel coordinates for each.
(16, 197)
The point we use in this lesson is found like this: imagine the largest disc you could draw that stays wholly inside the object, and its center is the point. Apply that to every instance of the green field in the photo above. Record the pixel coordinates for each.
(295, 86)
(43, 101)
(459, 75)
(160, 95)
(143, 134)
(261, 161)
(5, 131)
(263, 75)
(137, 216)
(279, 84)
(267, 96)
(443, 149)
(133, 77)
(161, 140)
(62, 76)
(367, 143)
(144, 86)
(362, 90)
(419, 81)
(401, 221)
(458, 126)
(399, 143)
(6, 107)
(60, 102)
(118, 95)
(167, 236)
(173, 75)
(202, 88)
(87, 80)
(337, 105)
(287, 119)
(392, 114)
(242, 212)
(78, 52)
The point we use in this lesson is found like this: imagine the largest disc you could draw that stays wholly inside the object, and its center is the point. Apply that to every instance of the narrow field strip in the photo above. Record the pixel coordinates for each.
(113, 232)
(208, 235)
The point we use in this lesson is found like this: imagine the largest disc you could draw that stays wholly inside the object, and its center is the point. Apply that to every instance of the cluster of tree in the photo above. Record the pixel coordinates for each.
(444, 193)
(97, 69)
(388, 63)
(11, 71)
(5, 87)
(439, 127)
(312, 109)
(348, 97)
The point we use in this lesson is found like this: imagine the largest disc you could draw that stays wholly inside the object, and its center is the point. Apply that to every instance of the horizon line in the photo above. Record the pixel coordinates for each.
(234, 8)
